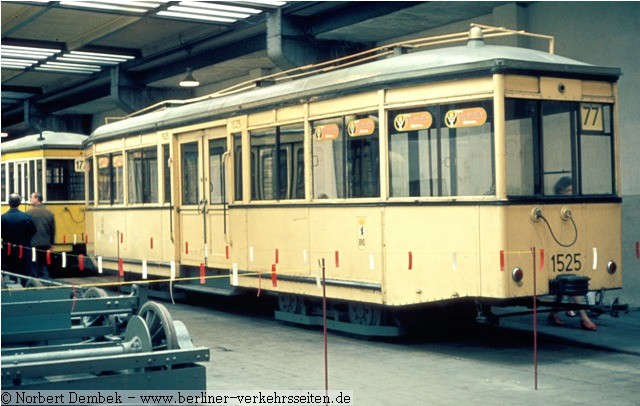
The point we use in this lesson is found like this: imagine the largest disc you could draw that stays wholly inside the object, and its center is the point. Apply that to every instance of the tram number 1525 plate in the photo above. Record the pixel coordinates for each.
(566, 262)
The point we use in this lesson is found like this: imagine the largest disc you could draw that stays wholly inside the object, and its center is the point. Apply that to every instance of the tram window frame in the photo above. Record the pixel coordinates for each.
(142, 170)
(63, 183)
(91, 198)
(552, 141)
(4, 172)
(346, 165)
(110, 179)
(461, 157)
(275, 163)
(166, 173)
(238, 194)
(217, 149)
(189, 179)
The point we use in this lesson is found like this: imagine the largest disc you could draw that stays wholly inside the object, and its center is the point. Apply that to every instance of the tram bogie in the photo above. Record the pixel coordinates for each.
(419, 178)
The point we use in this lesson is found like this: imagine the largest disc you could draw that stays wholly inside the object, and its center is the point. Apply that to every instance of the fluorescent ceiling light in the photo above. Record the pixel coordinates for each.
(73, 65)
(112, 6)
(195, 17)
(98, 54)
(265, 2)
(194, 10)
(216, 6)
(20, 56)
(70, 59)
(44, 51)
(18, 61)
(57, 70)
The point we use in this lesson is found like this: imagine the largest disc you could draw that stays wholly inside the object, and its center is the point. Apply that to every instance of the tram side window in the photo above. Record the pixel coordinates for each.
(454, 157)
(190, 176)
(63, 182)
(91, 175)
(4, 183)
(413, 153)
(237, 170)
(346, 165)
(217, 148)
(110, 179)
(167, 173)
(142, 167)
(277, 156)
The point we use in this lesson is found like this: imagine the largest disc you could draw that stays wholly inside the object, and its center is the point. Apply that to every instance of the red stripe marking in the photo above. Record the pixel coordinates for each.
(9, 249)
(20, 251)
(81, 262)
(337, 259)
(121, 238)
(64, 238)
(277, 256)
(151, 242)
(48, 257)
(186, 247)
(86, 238)
(638, 249)
(502, 264)
(202, 273)
(226, 250)
(410, 260)
(120, 267)
(274, 278)
(541, 259)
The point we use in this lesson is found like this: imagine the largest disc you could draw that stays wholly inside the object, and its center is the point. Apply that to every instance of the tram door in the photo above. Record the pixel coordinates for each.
(202, 200)
(192, 203)
(215, 209)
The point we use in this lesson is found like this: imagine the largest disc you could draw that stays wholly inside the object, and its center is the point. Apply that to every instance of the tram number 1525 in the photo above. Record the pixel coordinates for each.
(566, 262)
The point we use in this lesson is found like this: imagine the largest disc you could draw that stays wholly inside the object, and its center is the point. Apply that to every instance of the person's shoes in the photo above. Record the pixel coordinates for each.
(588, 325)
(554, 320)
(571, 313)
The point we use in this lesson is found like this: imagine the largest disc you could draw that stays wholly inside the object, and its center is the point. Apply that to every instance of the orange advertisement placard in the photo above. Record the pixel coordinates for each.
(419, 120)
(359, 128)
(326, 132)
(472, 117)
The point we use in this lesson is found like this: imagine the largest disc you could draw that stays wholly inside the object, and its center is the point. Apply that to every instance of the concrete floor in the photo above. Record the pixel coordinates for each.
(440, 365)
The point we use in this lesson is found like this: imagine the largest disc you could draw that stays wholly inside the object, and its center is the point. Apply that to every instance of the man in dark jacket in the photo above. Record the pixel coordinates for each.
(44, 237)
(17, 230)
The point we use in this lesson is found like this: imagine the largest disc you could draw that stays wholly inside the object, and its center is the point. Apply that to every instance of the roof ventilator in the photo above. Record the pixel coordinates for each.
(476, 39)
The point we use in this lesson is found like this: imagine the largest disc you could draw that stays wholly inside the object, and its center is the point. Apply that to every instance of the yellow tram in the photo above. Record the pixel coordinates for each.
(52, 164)
(417, 176)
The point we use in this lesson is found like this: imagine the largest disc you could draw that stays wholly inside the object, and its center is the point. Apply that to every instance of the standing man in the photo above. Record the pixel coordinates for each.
(17, 230)
(44, 237)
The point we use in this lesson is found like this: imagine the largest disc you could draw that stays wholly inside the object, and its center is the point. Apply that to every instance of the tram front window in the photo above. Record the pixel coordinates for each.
(548, 141)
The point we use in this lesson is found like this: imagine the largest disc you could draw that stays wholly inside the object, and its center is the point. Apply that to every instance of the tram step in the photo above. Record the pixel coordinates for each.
(209, 290)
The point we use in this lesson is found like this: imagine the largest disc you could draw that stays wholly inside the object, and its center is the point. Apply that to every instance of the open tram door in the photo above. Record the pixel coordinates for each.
(202, 209)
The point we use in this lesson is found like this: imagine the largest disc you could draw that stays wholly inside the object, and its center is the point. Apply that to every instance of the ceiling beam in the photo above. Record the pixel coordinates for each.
(355, 12)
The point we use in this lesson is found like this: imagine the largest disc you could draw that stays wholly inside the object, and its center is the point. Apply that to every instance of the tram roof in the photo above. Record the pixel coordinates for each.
(44, 140)
(398, 70)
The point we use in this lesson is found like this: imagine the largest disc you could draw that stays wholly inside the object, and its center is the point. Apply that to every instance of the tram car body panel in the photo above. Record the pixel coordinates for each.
(417, 178)
(52, 164)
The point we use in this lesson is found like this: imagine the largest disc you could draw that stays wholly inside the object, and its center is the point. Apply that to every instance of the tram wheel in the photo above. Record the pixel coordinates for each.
(160, 325)
(97, 319)
(291, 304)
(364, 314)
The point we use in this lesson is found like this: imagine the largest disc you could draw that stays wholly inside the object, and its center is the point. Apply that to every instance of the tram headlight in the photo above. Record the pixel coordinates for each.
(612, 267)
(517, 274)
